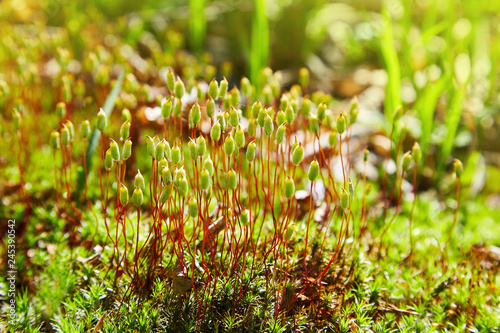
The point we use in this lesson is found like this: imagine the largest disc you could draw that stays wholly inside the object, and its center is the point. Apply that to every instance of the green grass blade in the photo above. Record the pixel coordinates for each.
(109, 104)
(391, 61)
(426, 108)
(197, 24)
(259, 51)
(452, 120)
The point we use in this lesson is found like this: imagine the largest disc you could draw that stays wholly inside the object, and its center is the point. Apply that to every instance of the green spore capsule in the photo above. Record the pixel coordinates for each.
(139, 181)
(123, 195)
(176, 155)
(289, 115)
(150, 145)
(235, 97)
(233, 117)
(304, 77)
(209, 166)
(297, 155)
(280, 133)
(163, 163)
(353, 111)
(227, 102)
(295, 106)
(194, 115)
(332, 138)
(108, 160)
(101, 120)
(204, 179)
(71, 130)
(406, 161)
(179, 89)
(177, 108)
(289, 187)
(160, 150)
(61, 110)
(182, 187)
(166, 108)
(267, 95)
(193, 153)
(313, 124)
(115, 152)
(232, 182)
(244, 217)
(416, 152)
(458, 168)
(280, 117)
(166, 175)
(125, 130)
(170, 80)
(275, 88)
(344, 199)
(213, 89)
(313, 172)
(341, 124)
(256, 107)
(223, 88)
(201, 146)
(251, 151)
(64, 136)
(215, 131)
(268, 125)
(193, 208)
(261, 118)
(221, 119)
(126, 114)
(127, 149)
(246, 86)
(365, 155)
(85, 129)
(284, 101)
(210, 107)
(222, 177)
(239, 138)
(305, 107)
(166, 192)
(229, 145)
(54, 140)
(252, 126)
(322, 111)
(137, 197)
(168, 151)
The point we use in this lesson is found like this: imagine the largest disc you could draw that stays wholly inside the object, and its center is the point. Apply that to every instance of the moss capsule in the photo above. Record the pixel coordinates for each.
(101, 120)
(229, 145)
(139, 181)
(297, 154)
(213, 89)
(85, 129)
(127, 149)
(251, 151)
(232, 182)
(137, 197)
(289, 187)
(215, 131)
(313, 172)
(193, 208)
(123, 195)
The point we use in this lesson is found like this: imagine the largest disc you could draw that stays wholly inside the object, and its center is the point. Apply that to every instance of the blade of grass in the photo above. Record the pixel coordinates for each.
(426, 107)
(259, 51)
(197, 24)
(109, 104)
(452, 120)
(392, 65)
